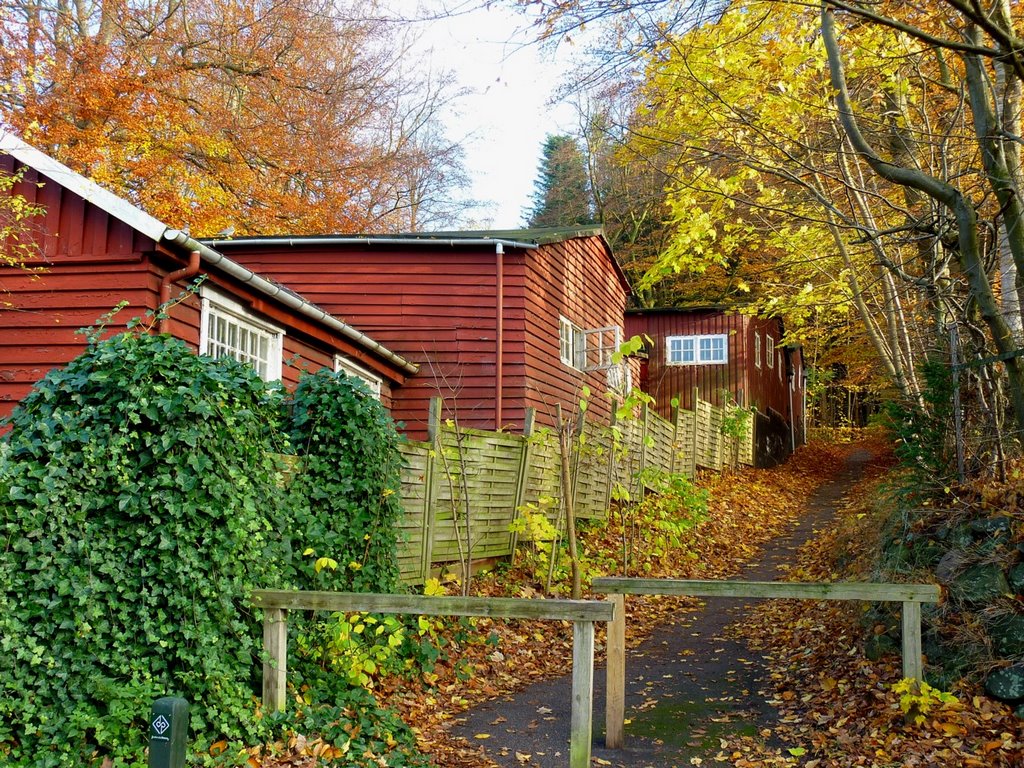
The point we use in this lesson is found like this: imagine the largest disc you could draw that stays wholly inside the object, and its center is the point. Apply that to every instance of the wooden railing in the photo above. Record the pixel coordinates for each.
(910, 595)
(582, 613)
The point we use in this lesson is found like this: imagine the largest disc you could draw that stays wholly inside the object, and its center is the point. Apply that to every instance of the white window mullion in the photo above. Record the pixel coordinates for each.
(712, 349)
(228, 329)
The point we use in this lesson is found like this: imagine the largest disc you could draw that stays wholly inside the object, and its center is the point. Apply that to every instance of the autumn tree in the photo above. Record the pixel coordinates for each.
(859, 148)
(269, 116)
(628, 189)
(561, 193)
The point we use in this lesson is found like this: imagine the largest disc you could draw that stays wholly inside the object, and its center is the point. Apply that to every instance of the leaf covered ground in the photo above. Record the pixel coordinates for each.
(835, 707)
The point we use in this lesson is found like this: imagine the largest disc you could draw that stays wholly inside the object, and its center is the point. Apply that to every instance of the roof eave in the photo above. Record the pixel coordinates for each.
(290, 299)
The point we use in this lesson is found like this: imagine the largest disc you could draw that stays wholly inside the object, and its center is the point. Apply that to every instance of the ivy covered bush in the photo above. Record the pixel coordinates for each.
(345, 498)
(140, 503)
(134, 488)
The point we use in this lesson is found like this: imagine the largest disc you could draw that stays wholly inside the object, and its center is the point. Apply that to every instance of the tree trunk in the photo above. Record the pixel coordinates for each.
(968, 243)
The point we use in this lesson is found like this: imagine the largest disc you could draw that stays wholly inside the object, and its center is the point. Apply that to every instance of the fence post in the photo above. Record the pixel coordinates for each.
(912, 641)
(275, 665)
(581, 423)
(580, 733)
(696, 429)
(675, 435)
(615, 676)
(430, 489)
(611, 456)
(643, 451)
(522, 482)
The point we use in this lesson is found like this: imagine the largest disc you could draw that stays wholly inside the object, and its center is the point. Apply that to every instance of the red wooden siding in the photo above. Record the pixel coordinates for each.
(93, 261)
(437, 306)
(740, 378)
(575, 279)
(433, 307)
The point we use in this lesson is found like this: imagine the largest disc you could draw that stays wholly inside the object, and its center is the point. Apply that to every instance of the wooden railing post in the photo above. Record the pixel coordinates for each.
(912, 666)
(580, 733)
(910, 595)
(615, 676)
(275, 665)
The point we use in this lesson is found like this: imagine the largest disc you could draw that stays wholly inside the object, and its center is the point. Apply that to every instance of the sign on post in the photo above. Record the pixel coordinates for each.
(168, 733)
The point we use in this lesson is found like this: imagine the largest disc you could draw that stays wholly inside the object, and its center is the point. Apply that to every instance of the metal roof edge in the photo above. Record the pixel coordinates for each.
(296, 240)
(285, 296)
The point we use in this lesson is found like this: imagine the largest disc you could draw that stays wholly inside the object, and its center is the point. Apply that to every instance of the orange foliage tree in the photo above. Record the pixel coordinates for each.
(268, 116)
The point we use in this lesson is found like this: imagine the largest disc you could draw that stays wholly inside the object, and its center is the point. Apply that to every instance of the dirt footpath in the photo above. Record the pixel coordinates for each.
(687, 686)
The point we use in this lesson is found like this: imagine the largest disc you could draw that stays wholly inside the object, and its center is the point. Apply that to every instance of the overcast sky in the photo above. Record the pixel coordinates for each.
(507, 115)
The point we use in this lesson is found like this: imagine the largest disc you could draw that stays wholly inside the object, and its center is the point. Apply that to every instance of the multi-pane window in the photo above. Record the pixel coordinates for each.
(352, 369)
(601, 346)
(229, 330)
(757, 349)
(697, 350)
(571, 344)
(769, 352)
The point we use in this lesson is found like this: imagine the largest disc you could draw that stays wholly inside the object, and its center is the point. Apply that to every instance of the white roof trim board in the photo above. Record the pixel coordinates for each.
(88, 190)
(157, 231)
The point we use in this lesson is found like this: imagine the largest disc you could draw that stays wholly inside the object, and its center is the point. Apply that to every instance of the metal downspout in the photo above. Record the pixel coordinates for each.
(499, 335)
(190, 270)
(792, 408)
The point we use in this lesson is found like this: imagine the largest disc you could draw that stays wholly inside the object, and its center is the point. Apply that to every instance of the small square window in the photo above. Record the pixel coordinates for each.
(372, 381)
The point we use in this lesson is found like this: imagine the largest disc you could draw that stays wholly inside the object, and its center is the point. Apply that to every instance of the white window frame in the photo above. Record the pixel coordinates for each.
(769, 353)
(701, 349)
(351, 368)
(572, 343)
(217, 307)
(600, 346)
(757, 349)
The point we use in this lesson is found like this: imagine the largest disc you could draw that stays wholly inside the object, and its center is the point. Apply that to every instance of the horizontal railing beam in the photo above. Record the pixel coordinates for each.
(496, 607)
(848, 590)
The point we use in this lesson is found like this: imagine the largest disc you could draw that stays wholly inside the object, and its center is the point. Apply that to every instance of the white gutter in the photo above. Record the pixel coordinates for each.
(412, 240)
(286, 297)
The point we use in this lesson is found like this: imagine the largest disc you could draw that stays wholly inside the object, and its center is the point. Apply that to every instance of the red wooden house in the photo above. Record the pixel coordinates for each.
(96, 250)
(726, 357)
(497, 321)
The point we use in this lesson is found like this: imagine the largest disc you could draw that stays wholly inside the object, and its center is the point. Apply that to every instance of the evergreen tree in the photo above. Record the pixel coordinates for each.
(561, 192)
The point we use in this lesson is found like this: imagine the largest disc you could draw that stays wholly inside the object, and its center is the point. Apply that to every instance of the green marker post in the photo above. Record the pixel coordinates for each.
(168, 733)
